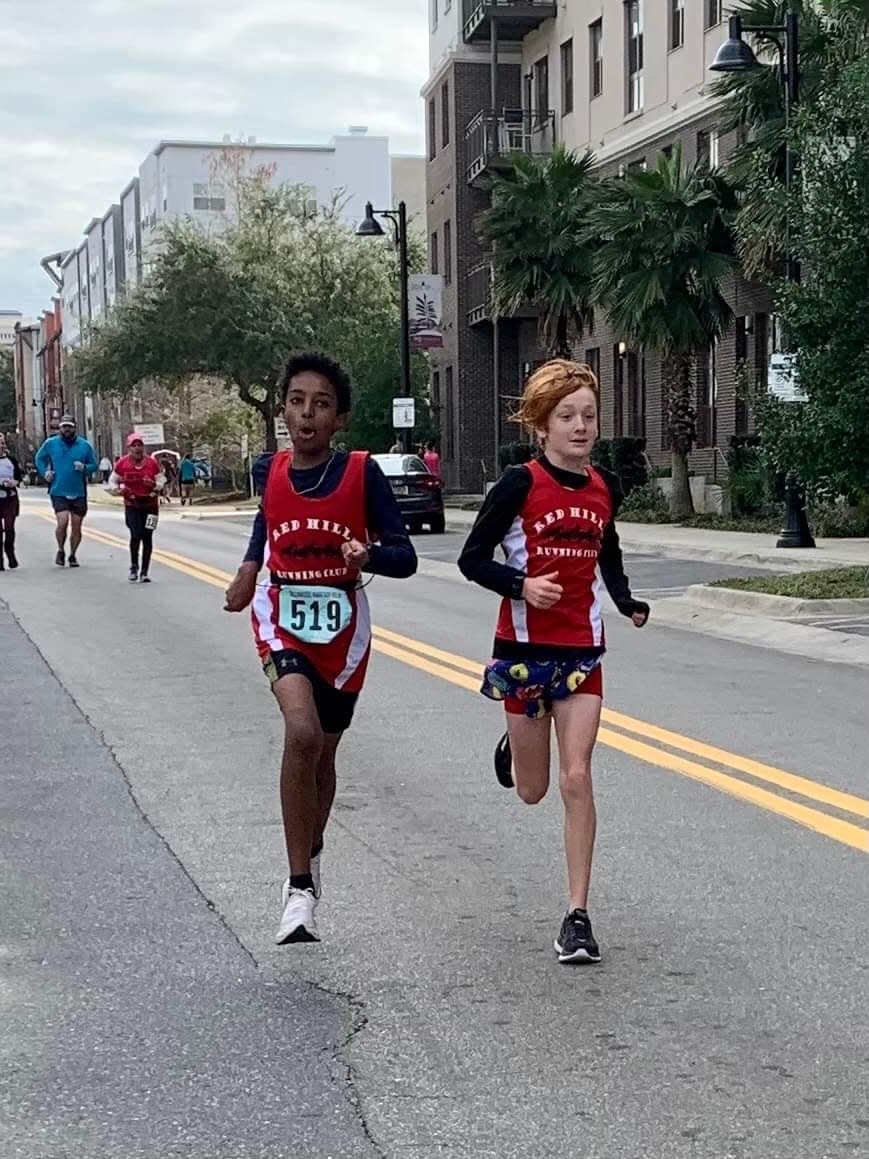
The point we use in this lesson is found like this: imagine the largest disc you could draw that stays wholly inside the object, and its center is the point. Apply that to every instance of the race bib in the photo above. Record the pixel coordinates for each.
(150, 522)
(314, 615)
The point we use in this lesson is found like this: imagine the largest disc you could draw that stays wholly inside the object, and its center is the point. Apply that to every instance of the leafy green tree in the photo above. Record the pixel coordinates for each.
(234, 305)
(665, 247)
(542, 253)
(754, 106)
(826, 317)
(8, 410)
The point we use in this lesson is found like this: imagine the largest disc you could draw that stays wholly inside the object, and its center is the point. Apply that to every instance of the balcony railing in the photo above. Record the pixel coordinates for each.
(492, 139)
(516, 18)
(478, 293)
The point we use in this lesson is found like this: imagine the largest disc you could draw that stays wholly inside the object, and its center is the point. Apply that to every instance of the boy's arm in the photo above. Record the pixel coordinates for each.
(496, 517)
(393, 555)
(241, 591)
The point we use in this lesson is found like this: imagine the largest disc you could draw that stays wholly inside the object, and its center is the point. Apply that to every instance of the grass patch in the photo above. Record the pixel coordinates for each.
(840, 583)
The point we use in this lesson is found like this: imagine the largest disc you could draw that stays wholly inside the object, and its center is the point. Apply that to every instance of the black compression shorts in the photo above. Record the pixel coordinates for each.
(334, 708)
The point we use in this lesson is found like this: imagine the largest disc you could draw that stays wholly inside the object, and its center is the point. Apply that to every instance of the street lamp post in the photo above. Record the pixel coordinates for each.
(735, 55)
(371, 227)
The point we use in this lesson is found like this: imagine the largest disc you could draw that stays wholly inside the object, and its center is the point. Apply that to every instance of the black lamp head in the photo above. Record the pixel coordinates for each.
(369, 226)
(734, 55)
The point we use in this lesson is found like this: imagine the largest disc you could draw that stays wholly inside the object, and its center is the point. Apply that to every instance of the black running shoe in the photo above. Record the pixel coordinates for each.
(60, 559)
(13, 561)
(145, 578)
(576, 942)
(73, 562)
(133, 577)
(504, 763)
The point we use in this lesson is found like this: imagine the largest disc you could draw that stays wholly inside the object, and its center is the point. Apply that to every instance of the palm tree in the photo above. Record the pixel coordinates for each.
(542, 253)
(665, 245)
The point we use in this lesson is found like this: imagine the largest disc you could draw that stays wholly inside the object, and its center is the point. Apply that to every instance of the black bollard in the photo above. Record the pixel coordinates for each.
(795, 532)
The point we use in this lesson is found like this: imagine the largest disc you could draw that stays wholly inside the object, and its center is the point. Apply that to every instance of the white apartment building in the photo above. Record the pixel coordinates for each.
(193, 178)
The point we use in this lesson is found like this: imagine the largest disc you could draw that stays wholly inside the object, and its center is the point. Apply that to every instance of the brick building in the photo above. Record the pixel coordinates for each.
(625, 80)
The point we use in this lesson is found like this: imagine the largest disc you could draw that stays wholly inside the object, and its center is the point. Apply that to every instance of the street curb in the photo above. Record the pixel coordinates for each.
(762, 632)
(777, 607)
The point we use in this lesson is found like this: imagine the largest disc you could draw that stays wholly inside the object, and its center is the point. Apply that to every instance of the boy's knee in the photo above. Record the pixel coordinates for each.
(303, 738)
(575, 782)
(531, 794)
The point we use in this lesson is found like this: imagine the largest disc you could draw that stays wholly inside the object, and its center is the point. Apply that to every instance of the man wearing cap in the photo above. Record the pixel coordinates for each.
(139, 479)
(65, 460)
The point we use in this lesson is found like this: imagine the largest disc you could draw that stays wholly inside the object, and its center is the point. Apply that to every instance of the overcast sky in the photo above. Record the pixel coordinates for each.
(88, 87)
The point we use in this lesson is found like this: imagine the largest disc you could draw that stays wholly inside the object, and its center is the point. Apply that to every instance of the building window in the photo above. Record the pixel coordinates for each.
(433, 254)
(636, 408)
(436, 391)
(638, 165)
(592, 361)
(595, 40)
(707, 148)
(707, 398)
(634, 33)
(205, 197)
(714, 12)
(677, 23)
(541, 88)
(450, 426)
(448, 252)
(445, 115)
(432, 130)
(667, 151)
(743, 328)
(567, 78)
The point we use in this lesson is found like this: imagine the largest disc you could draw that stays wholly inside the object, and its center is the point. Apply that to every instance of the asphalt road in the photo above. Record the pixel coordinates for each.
(147, 1013)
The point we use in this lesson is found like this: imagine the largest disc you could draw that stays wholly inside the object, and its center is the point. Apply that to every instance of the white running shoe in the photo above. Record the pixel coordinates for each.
(315, 874)
(298, 923)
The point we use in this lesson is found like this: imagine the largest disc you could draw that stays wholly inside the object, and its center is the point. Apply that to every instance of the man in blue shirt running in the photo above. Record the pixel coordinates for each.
(65, 461)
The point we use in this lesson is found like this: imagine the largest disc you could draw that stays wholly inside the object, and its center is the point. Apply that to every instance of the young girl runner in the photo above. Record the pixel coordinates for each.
(554, 520)
(321, 509)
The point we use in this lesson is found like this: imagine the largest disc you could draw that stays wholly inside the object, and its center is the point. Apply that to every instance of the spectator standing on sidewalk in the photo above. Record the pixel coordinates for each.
(10, 477)
(187, 479)
(105, 468)
(432, 460)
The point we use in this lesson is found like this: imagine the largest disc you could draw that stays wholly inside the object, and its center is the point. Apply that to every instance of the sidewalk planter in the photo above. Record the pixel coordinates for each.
(698, 491)
(775, 607)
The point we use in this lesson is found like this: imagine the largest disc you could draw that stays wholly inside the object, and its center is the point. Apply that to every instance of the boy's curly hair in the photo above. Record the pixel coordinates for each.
(548, 385)
(320, 363)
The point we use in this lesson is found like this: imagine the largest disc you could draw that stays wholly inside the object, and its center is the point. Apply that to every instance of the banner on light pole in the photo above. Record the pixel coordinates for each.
(425, 308)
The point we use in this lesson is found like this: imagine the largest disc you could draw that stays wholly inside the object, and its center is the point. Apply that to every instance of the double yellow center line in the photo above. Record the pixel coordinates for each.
(760, 784)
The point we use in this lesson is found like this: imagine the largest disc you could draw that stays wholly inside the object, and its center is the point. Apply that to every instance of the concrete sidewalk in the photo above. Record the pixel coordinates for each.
(737, 547)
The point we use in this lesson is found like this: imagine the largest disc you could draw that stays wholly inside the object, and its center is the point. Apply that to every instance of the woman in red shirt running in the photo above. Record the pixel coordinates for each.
(554, 520)
(139, 479)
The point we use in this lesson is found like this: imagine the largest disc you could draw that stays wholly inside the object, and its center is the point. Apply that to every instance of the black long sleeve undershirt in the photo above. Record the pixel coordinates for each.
(393, 555)
(504, 503)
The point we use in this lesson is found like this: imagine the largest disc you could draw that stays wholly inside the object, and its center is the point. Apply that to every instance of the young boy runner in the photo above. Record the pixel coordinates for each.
(321, 509)
(140, 479)
(554, 520)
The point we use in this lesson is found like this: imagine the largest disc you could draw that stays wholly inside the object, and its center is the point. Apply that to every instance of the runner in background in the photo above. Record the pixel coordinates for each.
(139, 479)
(65, 461)
(554, 520)
(10, 478)
(327, 516)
